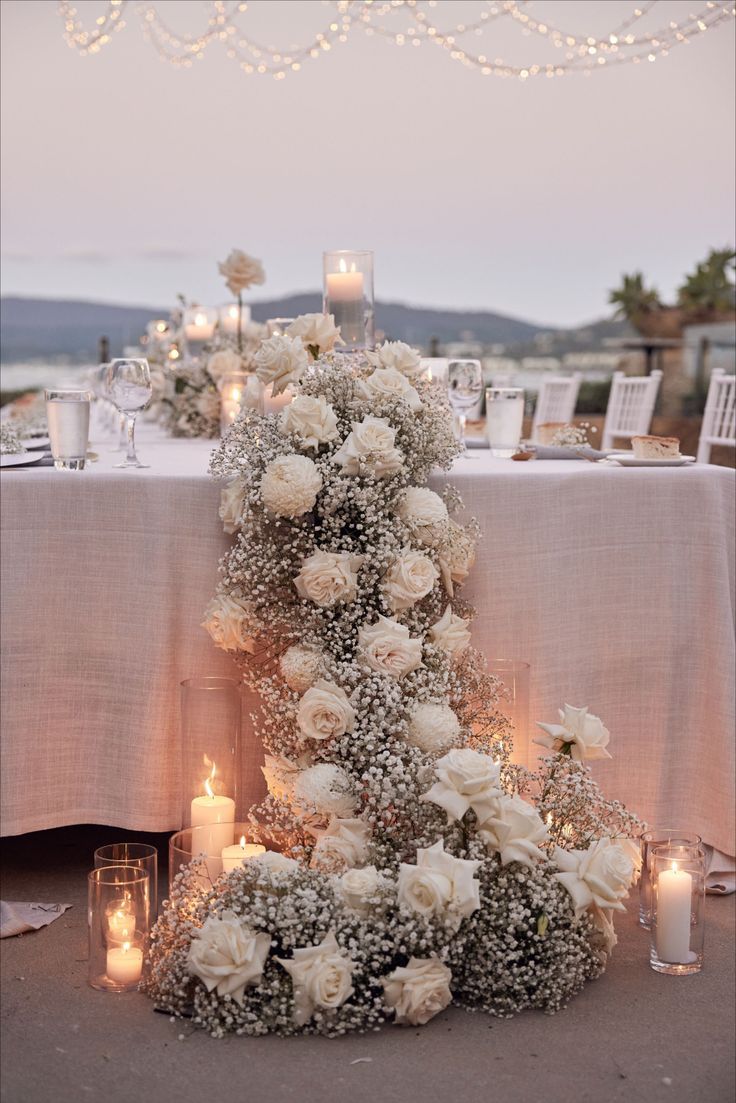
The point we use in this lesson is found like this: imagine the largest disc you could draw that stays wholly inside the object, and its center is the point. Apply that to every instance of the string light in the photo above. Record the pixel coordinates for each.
(578, 52)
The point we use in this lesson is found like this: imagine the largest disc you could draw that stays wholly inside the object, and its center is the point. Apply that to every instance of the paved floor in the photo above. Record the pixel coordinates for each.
(632, 1035)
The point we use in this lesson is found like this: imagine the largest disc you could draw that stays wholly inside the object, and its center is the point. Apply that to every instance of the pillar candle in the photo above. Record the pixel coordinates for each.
(124, 964)
(200, 328)
(674, 891)
(218, 815)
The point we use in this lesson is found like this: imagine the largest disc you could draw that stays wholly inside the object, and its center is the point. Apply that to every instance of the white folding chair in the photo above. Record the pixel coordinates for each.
(630, 406)
(719, 417)
(556, 401)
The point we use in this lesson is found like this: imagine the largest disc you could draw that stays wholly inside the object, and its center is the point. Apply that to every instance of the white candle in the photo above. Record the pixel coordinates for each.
(344, 294)
(234, 856)
(124, 964)
(229, 318)
(200, 328)
(121, 922)
(674, 891)
(274, 404)
(344, 286)
(218, 814)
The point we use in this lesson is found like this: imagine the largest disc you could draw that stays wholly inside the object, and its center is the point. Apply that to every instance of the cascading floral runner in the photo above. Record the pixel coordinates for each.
(418, 864)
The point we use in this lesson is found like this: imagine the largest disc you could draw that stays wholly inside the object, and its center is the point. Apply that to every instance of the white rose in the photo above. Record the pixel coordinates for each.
(418, 991)
(388, 649)
(276, 863)
(451, 633)
(425, 513)
(390, 383)
(301, 666)
(466, 779)
(318, 332)
(310, 419)
(457, 556)
(398, 355)
(227, 621)
(280, 774)
(280, 361)
(232, 500)
(223, 362)
(579, 734)
(327, 578)
(357, 886)
(207, 405)
(369, 448)
(342, 845)
(514, 831)
(321, 977)
(439, 883)
(433, 727)
(227, 955)
(324, 712)
(241, 271)
(290, 485)
(607, 938)
(325, 788)
(410, 577)
(600, 875)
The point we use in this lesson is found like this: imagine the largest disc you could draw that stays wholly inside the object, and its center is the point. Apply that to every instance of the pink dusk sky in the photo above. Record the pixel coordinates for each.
(125, 180)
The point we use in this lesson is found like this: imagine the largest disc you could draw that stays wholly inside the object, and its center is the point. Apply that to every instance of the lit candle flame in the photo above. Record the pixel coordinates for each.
(208, 780)
(161, 327)
(242, 841)
(232, 311)
(236, 394)
(200, 319)
(126, 947)
(343, 265)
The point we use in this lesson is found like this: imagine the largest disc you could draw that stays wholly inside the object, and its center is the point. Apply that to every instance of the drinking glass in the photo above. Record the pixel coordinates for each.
(135, 855)
(464, 385)
(129, 384)
(67, 413)
(504, 419)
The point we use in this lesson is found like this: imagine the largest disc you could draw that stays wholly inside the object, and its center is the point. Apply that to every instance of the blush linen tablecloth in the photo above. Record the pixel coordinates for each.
(616, 584)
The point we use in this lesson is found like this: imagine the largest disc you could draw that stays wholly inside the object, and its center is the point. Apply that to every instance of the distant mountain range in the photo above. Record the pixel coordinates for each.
(38, 329)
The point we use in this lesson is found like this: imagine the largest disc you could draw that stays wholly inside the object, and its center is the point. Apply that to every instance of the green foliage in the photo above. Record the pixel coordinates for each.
(633, 297)
(710, 288)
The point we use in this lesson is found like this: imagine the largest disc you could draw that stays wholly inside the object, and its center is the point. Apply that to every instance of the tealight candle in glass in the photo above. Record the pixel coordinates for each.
(233, 318)
(118, 917)
(140, 856)
(277, 327)
(657, 836)
(198, 329)
(678, 909)
(238, 390)
(348, 296)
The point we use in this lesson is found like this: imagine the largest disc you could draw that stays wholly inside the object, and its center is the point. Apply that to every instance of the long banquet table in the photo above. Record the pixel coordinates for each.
(616, 584)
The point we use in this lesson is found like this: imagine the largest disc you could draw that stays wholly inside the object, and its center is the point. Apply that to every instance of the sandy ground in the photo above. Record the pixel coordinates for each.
(632, 1035)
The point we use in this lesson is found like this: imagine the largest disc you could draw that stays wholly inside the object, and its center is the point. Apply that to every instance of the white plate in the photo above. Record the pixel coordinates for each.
(630, 460)
(32, 443)
(20, 458)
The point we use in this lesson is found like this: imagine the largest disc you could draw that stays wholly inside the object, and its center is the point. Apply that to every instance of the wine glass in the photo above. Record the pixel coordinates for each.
(464, 387)
(129, 387)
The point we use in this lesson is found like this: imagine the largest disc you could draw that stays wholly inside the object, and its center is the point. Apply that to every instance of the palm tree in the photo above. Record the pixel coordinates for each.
(709, 290)
(632, 298)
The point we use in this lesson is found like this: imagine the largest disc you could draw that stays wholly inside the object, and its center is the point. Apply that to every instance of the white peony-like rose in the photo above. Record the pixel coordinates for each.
(207, 405)
(280, 361)
(357, 886)
(466, 779)
(398, 355)
(232, 500)
(325, 712)
(425, 513)
(227, 955)
(579, 734)
(457, 556)
(241, 271)
(631, 847)
(433, 727)
(301, 666)
(342, 845)
(513, 831)
(600, 875)
(227, 621)
(327, 789)
(223, 362)
(390, 383)
(321, 977)
(451, 633)
(369, 449)
(439, 884)
(329, 578)
(387, 647)
(276, 863)
(410, 577)
(317, 332)
(290, 485)
(418, 991)
(280, 774)
(312, 420)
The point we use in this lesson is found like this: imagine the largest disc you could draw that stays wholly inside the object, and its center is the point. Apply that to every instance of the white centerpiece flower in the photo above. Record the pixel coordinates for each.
(457, 556)
(398, 355)
(433, 727)
(451, 633)
(290, 485)
(328, 578)
(387, 647)
(310, 419)
(439, 884)
(321, 977)
(226, 618)
(317, 332)
(600, 875)
(466, 779)
(325, 712)
(241, 271)
(342, 845)
(390, 383)
(227, 955)
(579, 734)
(232, 500)
(425, 513)
(327, 789)
(514, 831)
(223, 362)
(280, 361)
(275, 862)
(418, 991)
(370, 449)
(280, 774)
(357, 886)
(301, 666)
(410, 577)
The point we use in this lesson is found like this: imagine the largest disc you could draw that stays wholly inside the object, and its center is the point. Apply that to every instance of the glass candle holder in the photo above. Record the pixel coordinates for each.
(232, 319)
(118, 917)
(348, 296)
(678, 909)
(514, 702)
(198, 329)
(277, 327)
(658, 836)
(234, 844)
(239, 390)
(67, 414)
(139, 856)
(210, 741)
(504, 419)
(434, 369)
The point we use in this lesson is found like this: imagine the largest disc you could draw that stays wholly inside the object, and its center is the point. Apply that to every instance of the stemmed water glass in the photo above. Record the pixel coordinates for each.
(464, 386)
(129, 387)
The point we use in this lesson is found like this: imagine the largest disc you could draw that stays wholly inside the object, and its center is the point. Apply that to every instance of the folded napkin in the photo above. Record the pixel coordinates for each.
(553, 452)
(16, 917)
(721, 877)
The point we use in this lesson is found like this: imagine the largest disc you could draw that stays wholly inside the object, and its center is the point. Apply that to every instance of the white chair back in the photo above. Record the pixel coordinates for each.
(719, 418)
(556, 401)
(630, 406)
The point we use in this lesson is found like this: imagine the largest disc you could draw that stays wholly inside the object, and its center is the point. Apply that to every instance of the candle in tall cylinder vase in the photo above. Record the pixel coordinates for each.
(674, 893)
(228, 317)
(215, 812)
(121, 921)
(345, 300)
(124, 964)
(234, 856)
(198, 326)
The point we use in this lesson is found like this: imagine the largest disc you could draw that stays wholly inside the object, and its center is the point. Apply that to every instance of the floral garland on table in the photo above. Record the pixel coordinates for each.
(420, 865)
